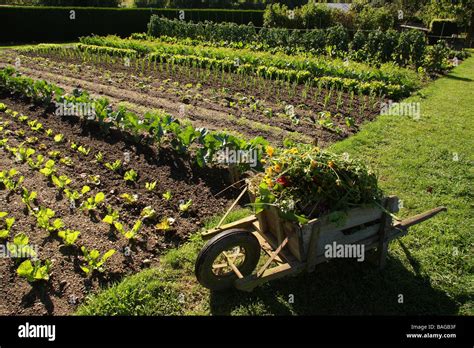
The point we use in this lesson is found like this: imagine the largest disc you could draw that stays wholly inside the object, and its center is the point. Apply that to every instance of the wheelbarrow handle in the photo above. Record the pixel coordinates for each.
(405, 224)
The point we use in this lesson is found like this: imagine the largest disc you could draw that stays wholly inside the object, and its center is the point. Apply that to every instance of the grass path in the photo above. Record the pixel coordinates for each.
(427, 163)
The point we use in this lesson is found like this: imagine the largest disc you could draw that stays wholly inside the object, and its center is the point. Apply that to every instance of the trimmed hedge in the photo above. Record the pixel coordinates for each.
(53, 24)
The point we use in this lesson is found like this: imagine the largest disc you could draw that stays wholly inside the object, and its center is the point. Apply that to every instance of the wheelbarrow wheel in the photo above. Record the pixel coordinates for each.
(213, 269)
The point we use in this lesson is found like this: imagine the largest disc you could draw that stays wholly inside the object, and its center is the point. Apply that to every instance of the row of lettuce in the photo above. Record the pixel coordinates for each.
(405, 48)
(199, 144)
(387, 79)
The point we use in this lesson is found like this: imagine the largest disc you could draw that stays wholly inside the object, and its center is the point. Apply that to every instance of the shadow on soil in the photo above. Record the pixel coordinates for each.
(341, 287)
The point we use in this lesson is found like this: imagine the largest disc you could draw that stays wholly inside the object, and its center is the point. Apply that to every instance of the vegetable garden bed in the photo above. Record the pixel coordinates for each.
(177, 182)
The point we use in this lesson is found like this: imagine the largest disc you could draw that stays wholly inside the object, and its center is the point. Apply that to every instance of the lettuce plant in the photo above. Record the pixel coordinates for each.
(130, 176)
(34, 270)
(94, 261)
(92, 203)
(8, 223)
(129, 234)
(68, 236)
(20, 248)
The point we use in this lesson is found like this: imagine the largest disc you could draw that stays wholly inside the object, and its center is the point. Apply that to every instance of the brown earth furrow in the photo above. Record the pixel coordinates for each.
(200, 117)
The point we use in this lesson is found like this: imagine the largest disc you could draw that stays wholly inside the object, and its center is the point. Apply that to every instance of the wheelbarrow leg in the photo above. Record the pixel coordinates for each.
(385, 227)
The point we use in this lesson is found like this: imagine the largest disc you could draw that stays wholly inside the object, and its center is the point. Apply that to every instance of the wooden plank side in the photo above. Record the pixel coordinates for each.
(369, 243)
(340, 238)
(242, 223)
(355, 217)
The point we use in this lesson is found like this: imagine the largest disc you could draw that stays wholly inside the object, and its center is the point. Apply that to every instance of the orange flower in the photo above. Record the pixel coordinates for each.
(277, 168)
(269, 182)
(331, 164)
(313, 163)
(270, 150)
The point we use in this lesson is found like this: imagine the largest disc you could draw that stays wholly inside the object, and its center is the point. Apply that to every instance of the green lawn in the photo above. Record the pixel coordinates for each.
(427, 163)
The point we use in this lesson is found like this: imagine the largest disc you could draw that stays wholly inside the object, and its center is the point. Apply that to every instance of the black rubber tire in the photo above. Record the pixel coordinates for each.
(215, 246)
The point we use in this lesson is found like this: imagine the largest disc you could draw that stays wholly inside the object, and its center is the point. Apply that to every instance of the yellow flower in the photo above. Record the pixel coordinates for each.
(270, 150)
(331, 164)
(269, 182)
(269, 171)
(293, 151)
(277, 168)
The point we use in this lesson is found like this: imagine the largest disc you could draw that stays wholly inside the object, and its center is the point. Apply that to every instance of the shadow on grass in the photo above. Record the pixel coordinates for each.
(340, 287)
(459, 78)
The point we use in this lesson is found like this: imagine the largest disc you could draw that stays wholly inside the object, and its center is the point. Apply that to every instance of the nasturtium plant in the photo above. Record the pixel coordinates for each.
(305, 182)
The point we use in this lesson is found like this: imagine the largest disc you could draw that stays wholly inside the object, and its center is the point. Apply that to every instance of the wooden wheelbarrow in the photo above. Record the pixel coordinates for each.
(233, 251)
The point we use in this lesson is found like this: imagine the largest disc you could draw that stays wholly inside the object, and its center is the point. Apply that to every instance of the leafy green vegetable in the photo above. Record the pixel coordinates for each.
(167, 195)
(112, 216)
(129, 234)
(165, 224)
(76, 195)
(94, 261)
(36, 164)
(20, 248)
(28, 198)
(43, 217)
(131, 176)
(128, 198)
(60, 182)
(150, 186)
(23, 154)
(184, 207)
(8, 223)
(148, 213)
(93, 202)
(68, 236)
(34, 271)
(49, 169)
(115, 167)
(8, 179)
(59, 138)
